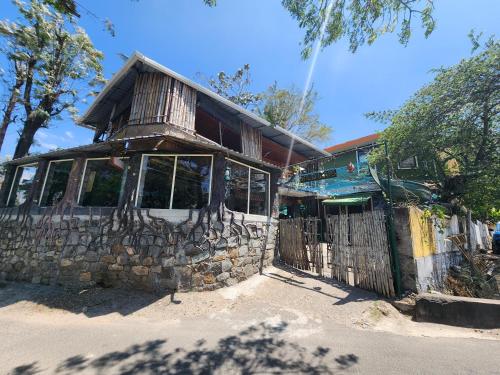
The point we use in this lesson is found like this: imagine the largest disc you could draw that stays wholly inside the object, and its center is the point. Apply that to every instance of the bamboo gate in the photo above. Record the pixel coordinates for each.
(357, 250)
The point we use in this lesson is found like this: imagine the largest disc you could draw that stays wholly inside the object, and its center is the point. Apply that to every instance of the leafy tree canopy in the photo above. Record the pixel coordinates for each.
(286, 108)
(58, 63)
(452, 125)
(291, 110)
(235, 87)
(360, 21)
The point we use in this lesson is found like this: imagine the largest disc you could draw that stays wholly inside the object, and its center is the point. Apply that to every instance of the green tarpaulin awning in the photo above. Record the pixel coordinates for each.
(348, 201)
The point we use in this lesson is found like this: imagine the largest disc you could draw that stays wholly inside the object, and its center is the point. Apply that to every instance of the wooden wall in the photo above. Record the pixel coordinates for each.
(251, 141)
(277, 154)
(159, 98)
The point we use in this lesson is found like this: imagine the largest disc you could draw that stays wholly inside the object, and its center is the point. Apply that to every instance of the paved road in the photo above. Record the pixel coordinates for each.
(267, 326)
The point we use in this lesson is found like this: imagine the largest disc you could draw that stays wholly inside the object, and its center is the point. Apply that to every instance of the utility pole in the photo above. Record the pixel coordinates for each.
(392, 238)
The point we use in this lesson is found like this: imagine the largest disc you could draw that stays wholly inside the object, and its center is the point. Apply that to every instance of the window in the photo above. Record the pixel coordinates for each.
(247, 189)
(55, 182)
(157, 174)
(192, 181)
(174, 181)
(237, 187)
(259, 183)
(21, 185)
(102, 183)
(410, 163)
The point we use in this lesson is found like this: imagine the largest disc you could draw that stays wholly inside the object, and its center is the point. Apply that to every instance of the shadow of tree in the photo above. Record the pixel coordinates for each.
(92, 302)
(353, 294)
(258, 349)
(29, 369)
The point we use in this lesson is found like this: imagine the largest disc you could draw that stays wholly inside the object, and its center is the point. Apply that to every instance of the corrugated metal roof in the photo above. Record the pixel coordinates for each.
(110, 145)
(123, 81)
(362, 141)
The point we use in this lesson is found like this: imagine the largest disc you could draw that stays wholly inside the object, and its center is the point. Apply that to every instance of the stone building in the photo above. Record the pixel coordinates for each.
(178, 191)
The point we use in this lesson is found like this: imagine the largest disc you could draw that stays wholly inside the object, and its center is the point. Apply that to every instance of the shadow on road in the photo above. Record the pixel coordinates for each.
(92, 302)
(353, 294)
(258, 349)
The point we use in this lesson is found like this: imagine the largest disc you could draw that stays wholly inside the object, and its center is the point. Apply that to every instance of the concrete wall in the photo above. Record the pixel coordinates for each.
(426, 253)
(164, 253)
(458, 311)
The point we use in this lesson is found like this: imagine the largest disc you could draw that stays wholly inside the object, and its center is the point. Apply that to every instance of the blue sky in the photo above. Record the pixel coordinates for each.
(191, 38)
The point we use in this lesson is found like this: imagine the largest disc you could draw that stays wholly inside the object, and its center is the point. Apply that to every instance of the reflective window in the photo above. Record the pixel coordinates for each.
(21, 186)
(236, 186)
(192, 182)
(55, 182)
(410, 163)
(157, 177)
(188, 176)
(102, 183)
(239, 197)
(259, 183)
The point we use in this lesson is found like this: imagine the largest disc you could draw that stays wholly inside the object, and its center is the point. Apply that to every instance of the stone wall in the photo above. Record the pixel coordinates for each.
(162, 250)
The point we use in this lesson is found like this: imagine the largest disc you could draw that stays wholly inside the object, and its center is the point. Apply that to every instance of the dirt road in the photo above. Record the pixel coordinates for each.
(280, 322)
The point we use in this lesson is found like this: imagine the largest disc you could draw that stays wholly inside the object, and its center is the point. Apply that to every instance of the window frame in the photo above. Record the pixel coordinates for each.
(14, 179)
(409, 168)
(47, 175)
(268, 208)
(174, 172)
(85, 171)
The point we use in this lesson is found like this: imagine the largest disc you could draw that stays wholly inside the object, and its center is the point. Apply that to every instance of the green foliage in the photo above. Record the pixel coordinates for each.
(234, 87)
(452, 125)
(437, 213)
(64, 6)
(494, 214)
(360, 21)
(281, 107)
(289, 109)
(58, 63)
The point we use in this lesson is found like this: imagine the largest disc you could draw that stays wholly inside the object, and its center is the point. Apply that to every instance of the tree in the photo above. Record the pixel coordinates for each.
(291, 110)
(58, 61)
(14, 82)
(286, 108)
(64, 6)
(235, 87)
(452, 125)
(361, 21)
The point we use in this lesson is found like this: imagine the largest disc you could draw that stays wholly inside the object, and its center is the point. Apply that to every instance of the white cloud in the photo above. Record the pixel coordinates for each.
(42, 134)
(69, 135)
(48, 146)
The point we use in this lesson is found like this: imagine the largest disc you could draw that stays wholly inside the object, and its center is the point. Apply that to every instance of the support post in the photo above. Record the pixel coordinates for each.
(469, 231)
(396, 270)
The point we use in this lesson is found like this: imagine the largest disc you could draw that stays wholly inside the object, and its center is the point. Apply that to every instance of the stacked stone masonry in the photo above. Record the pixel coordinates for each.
(84, 251)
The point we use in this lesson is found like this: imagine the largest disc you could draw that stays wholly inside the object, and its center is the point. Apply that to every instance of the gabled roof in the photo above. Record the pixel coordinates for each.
(122, 83)
(358, 142)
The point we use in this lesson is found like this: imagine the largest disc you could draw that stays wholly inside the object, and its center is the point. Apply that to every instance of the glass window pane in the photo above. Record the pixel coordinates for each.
(22, 185)
(156, 184)
(55, 182)
(410, 163)
(236, 187)
(102, 184)
(259, 183)
(192, 182)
